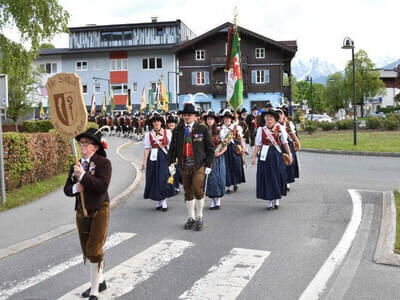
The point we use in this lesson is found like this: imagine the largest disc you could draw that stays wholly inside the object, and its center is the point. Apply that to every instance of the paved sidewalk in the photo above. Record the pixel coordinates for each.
(55, 211)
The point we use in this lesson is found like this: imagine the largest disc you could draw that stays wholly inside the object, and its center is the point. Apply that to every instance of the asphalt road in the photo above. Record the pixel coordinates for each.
(244, 250)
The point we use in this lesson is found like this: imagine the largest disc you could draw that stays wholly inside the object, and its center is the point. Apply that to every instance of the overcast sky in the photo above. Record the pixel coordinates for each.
(319, 26)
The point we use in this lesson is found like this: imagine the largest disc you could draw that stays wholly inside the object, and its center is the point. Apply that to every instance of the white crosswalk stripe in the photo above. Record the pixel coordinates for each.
(125, 277)
(228, 278)
(112, 241)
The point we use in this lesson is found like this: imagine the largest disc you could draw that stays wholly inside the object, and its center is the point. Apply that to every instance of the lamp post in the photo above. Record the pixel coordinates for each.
(348, 43)
(176, 73)
(309, 78)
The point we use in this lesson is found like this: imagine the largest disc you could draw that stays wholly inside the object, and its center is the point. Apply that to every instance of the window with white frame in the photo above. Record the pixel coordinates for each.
(120, 64)
(48, 68)
(97, 65)
(97, 87)
(120, 88)
(134, 87)
(260, 76)
(200, 54)
(84, 88)
(260, 52)
(81, 65)
(200, 78)
(152, 63)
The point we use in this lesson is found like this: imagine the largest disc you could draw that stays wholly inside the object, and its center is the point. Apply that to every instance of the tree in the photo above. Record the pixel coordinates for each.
(368, 83)
(302, 92)
(37, 21)
(46, 46)
(318, 103)
(335, 96)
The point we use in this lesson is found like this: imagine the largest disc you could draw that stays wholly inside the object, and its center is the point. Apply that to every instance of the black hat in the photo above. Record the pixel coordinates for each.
(254, 107)
(189, 109)
(227, 113)
(172, 119)
(156, 117)
(243, 110)
(95, 135)
(211, 114)
(270, 112)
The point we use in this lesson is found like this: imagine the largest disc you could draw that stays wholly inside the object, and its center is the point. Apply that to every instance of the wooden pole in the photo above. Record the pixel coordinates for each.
(76, 161)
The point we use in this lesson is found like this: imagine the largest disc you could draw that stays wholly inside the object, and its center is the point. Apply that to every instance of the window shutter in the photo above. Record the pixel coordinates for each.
(207, 77)
(194, 78)
(266, 76)
(253, 76)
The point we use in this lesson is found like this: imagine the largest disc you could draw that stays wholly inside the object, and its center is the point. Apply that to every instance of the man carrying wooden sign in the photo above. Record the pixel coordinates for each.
(88, 178)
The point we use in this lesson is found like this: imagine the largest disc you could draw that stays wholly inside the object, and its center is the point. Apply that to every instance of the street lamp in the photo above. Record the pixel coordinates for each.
(348, 43)
(176, 73)
(309, 78)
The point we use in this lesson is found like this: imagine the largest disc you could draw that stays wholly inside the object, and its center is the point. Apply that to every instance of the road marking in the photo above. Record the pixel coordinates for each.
(335, 259)
(125, 277)
(227, 279)
(114, 240)
(350, 266)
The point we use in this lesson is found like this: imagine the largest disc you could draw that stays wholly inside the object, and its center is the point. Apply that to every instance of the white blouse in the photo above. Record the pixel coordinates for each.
(283, 136)
(159, 138)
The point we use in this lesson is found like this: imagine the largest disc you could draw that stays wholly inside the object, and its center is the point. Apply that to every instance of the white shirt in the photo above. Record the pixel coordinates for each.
(74, 191)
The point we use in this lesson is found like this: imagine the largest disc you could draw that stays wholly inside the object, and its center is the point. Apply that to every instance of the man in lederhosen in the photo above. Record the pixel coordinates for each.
(191, 143)
(92, 177)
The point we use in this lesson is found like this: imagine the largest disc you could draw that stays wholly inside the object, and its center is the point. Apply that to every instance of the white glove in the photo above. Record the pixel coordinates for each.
(172, 169)
(207, 171)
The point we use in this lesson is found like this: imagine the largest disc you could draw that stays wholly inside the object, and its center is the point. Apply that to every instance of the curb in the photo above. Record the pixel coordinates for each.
(342, 152)
(65, 229)
(384, 253)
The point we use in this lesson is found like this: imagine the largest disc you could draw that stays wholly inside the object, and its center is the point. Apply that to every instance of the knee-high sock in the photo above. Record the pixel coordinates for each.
(190, 208)
(212, 204)
(199, 208)
(95, 270)
(164, 203)
(218, 202)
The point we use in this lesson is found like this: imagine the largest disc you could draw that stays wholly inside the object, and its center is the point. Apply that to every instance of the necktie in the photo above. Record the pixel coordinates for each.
(85, 165)
(187, 134)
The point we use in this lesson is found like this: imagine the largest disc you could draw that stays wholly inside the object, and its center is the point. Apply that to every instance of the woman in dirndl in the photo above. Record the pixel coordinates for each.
(217, 179)
(271, 170)
(292, 169)
(232, 135)
(156, 144)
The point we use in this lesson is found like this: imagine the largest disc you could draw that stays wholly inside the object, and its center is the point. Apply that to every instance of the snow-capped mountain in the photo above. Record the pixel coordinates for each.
(314, 67)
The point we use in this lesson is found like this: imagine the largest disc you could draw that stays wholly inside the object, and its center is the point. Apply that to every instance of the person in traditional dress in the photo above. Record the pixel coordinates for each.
(271, 171)
(192, 145)
(232, 135)
(91, 177)
(217, 179)
(156, 144)
(172, 122)
(292, 169)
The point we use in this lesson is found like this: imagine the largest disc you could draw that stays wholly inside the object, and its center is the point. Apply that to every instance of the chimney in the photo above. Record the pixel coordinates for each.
(153, 19)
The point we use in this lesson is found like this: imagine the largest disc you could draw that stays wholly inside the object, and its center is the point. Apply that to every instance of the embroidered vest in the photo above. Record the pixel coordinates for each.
(164, 140)
(275, 134)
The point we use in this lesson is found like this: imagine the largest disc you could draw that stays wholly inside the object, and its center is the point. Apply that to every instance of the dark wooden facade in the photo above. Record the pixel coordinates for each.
(278, 56)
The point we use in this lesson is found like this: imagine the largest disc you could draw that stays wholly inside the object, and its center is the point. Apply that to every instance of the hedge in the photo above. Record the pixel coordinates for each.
(37, 126)
(391, 123)
(310, 126)
(344, 124)
(325, 125)
(374, 122)
(387, 110)
(32, 157)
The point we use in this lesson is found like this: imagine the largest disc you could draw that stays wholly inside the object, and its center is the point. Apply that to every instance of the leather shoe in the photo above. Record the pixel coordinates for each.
(189, 224)
(102, 288)
(235, 188)
(198, 225)
(164, 209)
(158, 208)
(92, 297)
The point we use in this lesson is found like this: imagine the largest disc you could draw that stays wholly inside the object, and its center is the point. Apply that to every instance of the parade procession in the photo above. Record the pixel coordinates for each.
(239, 153)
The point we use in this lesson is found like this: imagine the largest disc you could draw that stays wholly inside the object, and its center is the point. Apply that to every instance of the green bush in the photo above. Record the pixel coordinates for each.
(344, 124)
(387, 110)
(391, 123)
(310, 126)
(37, 126)
(374, 122)
(396, 116)
(29, 158)
(325, 125)
(297, 116)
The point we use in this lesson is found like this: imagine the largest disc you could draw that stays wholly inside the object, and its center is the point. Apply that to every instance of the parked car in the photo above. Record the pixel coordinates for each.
(324, 118)
(397, 112)
(379, 114)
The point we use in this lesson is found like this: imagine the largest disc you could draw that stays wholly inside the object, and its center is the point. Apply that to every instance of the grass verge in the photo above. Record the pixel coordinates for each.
(367, 141)
(31, 192)
(397, 203)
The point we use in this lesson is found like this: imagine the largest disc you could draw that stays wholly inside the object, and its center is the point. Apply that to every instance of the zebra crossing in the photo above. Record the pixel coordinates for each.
(224, 280)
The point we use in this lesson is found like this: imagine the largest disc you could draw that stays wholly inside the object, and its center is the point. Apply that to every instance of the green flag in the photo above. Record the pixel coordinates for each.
(234, 87)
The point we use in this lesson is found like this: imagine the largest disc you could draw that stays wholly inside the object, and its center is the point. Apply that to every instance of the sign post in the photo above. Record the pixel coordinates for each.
(68, 112)
(3, 107)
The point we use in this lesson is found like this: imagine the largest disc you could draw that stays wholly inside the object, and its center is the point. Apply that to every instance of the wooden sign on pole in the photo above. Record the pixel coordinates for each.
(68, 112)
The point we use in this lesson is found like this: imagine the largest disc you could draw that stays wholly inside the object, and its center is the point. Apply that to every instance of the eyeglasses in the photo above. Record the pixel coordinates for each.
(85, 144)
